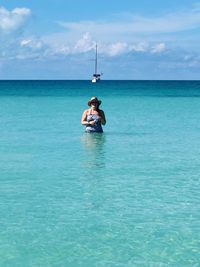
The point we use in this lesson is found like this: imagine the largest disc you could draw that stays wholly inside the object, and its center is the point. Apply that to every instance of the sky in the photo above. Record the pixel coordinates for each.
(137, 39)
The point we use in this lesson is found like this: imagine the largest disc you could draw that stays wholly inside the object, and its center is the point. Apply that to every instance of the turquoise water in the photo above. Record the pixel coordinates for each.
(128, 197)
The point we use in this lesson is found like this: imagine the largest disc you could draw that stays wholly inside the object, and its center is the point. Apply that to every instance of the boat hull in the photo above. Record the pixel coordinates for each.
(96, 79)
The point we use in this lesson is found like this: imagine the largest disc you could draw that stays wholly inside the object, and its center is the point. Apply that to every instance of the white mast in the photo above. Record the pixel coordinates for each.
(96, 76)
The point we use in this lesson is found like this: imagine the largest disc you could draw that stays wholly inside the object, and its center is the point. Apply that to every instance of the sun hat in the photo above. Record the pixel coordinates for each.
(94, 99)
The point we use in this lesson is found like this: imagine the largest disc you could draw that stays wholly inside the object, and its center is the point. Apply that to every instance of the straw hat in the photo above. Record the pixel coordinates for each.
(94, 99)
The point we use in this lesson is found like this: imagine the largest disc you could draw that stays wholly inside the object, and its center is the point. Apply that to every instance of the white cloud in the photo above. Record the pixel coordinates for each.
(65, 50)
(31, 43)
(58, 46)
(116, 49)
(85, 44)
(158, 48)
(25, 42)
(13, 20)
(139, 47)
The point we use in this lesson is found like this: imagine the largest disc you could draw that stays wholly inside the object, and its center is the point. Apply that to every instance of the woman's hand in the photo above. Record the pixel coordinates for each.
(92, 122)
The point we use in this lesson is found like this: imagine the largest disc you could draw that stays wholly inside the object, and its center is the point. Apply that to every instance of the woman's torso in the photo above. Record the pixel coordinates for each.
(94, 116)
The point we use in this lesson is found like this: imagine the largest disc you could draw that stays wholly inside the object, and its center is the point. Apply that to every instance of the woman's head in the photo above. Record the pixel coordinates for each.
(94, 102)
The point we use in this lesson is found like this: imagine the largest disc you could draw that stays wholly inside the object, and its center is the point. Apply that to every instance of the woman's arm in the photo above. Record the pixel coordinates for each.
(103, 118)
(84, 118)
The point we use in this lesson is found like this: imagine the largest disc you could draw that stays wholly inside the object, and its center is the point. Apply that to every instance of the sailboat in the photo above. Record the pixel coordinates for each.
(96, 75)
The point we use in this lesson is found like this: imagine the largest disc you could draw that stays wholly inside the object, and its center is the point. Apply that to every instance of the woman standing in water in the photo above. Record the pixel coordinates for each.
(93, 118)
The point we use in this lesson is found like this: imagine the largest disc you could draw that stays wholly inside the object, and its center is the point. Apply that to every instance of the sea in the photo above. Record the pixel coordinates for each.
(128, 197)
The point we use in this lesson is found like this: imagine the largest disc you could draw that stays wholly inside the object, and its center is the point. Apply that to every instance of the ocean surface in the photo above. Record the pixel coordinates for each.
(128, 197)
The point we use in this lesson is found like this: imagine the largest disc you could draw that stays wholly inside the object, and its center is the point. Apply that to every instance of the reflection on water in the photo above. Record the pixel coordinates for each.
(94, 146)
(93, 171)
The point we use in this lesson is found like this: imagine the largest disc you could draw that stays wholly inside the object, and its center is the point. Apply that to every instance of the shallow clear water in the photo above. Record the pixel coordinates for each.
(128, 197)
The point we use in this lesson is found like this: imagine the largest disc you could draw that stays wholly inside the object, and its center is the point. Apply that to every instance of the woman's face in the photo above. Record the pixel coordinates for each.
(94, 104)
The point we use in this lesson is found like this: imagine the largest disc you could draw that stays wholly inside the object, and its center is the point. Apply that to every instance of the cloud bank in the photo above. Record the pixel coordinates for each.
(117, 37)
(138, 40)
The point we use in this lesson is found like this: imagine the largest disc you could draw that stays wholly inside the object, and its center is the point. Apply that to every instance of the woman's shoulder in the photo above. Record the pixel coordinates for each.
(86, 111)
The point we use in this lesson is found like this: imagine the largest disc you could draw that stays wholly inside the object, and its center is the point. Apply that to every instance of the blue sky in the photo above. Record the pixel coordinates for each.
(137, 39)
